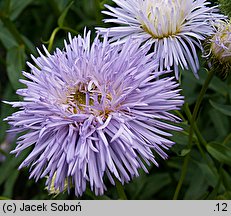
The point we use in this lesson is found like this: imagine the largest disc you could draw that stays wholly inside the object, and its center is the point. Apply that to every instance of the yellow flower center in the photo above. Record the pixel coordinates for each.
(83, 99)
(163, 18)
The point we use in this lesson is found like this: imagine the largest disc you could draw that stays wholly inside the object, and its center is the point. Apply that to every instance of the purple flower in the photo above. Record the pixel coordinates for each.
(92, 111)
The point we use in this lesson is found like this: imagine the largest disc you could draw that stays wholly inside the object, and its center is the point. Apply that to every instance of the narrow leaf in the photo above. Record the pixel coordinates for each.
(225, 109)
(6, 37)
(15, 60)
(220, 152)
(63, 15)
(17, 6)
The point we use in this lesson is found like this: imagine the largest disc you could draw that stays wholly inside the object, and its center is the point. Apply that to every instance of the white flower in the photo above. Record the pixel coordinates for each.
(175, 27)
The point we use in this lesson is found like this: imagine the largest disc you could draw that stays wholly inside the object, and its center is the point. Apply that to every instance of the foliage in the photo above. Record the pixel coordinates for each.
(225, 6)
(206, 162)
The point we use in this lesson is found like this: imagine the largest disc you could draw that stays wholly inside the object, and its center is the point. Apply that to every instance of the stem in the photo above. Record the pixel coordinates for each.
(53, 35)
(120, 190)
(69, 30)
(198, 103)
(200, 141)
(199, 136)
(196, 130)
(192, 129)
(182, 176)
(51, 40)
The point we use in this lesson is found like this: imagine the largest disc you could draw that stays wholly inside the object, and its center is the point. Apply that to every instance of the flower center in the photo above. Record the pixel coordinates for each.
(163, 18)
(87, 98)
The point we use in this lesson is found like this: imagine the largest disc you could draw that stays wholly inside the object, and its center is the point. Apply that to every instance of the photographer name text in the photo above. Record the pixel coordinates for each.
(42, 207)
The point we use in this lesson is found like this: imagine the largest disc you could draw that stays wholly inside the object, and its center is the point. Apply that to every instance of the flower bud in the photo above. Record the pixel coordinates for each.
(221, 42)
(220, 49)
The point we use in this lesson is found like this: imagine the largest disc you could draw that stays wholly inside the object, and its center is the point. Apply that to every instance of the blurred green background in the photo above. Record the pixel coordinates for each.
(27, 24)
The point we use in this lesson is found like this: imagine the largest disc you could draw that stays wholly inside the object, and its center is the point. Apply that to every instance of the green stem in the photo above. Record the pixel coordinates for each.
(196, 130)
(69, 30)
(120, 190)
(198, 103)
(51, 40)
(200, 141)
(192, 129)
(182, 176)
(199, 136)
(53, 35)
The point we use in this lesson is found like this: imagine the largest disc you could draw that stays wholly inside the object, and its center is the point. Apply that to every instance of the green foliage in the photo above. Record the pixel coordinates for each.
(225, 109)
(26, 24)
(220, 152)
(15, 61)
(225, 6)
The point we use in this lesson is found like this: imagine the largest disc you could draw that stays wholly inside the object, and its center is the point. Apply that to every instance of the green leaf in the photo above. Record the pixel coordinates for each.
(181, 137)
(10, 165)
(6, 109)
(197, 186)
(211, 176)
(220, 123)
(59, 5)
(12, 29)
(9, 184)
(216, 84)
(189, 86)
(181, 140)
(226, 179)
(6, 37)
(220, 152)
(63, 15)
(215, 191)
(184, 152)
(19, 38)
(225, 109)
(17, 6)
(15, 60)
(30, 46)
(6, 6)
(152, 185)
